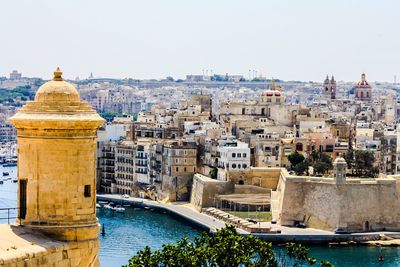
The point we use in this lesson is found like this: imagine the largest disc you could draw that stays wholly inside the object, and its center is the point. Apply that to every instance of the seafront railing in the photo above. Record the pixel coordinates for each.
(9, 215)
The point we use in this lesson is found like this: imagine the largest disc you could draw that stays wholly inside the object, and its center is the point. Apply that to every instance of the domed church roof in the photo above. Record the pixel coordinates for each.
(363, 82)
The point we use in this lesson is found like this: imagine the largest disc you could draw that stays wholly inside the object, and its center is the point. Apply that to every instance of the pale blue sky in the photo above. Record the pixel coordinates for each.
(292, 40)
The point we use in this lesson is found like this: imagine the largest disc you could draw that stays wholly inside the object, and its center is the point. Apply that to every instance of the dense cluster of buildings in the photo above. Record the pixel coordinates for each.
(162, 132)
(224, 134)
(260, 149)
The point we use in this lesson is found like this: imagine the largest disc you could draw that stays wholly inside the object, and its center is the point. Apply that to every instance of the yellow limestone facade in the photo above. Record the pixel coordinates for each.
(57, 170)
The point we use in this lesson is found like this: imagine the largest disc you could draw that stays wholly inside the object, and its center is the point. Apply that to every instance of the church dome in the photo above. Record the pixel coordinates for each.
(273, 90)
(57, 90)
(363, 83)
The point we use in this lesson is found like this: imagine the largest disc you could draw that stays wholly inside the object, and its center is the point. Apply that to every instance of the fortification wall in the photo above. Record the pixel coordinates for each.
(205, 189)
(370, 205)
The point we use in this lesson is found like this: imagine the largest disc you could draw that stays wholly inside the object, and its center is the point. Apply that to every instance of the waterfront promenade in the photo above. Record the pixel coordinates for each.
(180, 209)
(288, 234)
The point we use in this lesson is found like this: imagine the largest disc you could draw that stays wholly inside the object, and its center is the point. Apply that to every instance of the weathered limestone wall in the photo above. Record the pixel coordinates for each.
(67, 164)
(250, 189)
(21, 246)
(358, 205)
(205, 189)
(260, 176)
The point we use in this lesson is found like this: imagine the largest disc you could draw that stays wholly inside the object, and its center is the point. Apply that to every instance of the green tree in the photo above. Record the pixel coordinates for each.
(349, 157)
(295, 158)
(224, 248)
(320, 167)
(364, 163)
(302, 167)
(314, 155)
(320, 161)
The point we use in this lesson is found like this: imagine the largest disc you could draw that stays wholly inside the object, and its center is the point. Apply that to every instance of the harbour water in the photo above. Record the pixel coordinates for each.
(127, 233)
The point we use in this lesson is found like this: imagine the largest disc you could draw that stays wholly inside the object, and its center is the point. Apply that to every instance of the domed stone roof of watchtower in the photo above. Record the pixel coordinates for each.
(57, 104)
(57, 90)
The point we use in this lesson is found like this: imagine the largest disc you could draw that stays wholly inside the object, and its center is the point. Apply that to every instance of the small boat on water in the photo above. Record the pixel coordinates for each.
(15, 180)
(11, 164)
(98, 205)
(6, 173)
(119, 209)
(109, 206)
(1, 182)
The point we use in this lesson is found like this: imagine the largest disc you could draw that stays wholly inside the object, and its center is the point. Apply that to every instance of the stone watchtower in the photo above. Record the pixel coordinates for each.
(56, 165)
(340, 167)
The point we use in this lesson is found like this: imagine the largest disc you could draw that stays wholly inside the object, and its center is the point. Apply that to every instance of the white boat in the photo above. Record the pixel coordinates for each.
(98, 205)
(119, 209)
(109, 206)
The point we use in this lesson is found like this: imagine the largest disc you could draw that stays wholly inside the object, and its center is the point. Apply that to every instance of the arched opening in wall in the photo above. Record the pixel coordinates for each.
(366, 226)
(241, 182)
(243, 111)
(368, 94)
(362, 94)
(263, 111)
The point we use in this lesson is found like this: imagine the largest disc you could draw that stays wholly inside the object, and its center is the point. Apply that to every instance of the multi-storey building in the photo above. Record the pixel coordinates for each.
(142, 161)
(233, 156)
(7, 132)
(178, 166)
(125, 152)
(106, 166)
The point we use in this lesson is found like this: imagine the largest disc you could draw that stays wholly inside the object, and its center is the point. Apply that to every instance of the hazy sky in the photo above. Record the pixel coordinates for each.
(291, 40)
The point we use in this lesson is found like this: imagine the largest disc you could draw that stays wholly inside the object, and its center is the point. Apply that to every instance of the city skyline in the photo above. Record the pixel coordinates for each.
(155, 39)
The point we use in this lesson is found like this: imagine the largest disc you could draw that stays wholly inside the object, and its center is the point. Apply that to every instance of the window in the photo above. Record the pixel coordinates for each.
(329, 148)
(244, 155)
(87, 192)
(184, 169)
(239, 155)
(177, 169)
(233, 166)
(239, 166)
(299, 147)
(22, 198)
(244, 166)
(233, 155)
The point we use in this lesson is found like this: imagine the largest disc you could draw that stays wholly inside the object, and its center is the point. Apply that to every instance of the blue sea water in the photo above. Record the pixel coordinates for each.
(127, 233)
